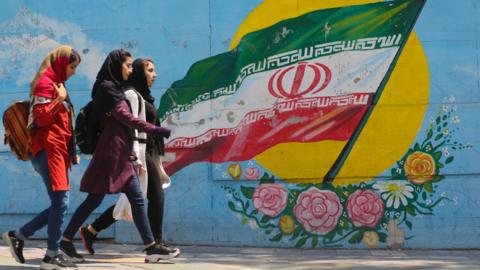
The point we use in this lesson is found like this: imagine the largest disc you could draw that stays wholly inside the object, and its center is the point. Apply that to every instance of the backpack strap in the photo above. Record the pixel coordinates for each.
(140, 107)
(139, 97)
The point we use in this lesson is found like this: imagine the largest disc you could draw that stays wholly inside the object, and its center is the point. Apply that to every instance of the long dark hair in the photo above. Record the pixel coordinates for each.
(138, 78)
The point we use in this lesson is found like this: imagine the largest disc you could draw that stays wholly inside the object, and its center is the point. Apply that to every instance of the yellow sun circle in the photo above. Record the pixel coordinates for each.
(390, 129)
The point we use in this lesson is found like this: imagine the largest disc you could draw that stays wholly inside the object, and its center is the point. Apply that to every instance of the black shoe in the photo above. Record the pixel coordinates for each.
(158, 252)
(15, 245)
(170, 249)
(70, 252)
(87, 238)
(56, 263)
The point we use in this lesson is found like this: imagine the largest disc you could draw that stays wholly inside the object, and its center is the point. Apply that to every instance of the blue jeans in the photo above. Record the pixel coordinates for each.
(134, 194)
(52, 216)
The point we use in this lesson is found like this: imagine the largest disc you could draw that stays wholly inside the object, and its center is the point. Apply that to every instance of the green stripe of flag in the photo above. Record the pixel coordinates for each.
(343, 24)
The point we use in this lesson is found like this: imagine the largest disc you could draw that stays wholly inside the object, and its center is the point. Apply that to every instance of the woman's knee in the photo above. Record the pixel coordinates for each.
(94, 199)
(60, 200)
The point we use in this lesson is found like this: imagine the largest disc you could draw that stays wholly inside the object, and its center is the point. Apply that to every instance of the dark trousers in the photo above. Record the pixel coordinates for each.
(155, 197)
(134, 194)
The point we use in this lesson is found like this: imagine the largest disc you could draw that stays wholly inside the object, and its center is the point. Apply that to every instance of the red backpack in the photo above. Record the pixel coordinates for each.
(17, 135)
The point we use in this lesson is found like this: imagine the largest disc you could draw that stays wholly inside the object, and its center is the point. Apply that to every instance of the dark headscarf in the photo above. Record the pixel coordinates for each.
(108, 88)
(138, 80)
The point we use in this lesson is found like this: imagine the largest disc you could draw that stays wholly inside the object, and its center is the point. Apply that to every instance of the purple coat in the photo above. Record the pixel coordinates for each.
(111, 168)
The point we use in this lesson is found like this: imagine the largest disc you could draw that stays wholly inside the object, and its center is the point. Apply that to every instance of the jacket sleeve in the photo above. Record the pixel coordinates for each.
(133, 100)
(121, 112)
(44, 114)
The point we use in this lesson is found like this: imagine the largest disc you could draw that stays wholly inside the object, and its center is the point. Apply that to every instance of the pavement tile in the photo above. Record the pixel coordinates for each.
(113, 256)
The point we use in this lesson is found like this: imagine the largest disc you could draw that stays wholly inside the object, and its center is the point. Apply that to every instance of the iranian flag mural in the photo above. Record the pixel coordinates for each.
(311, 78)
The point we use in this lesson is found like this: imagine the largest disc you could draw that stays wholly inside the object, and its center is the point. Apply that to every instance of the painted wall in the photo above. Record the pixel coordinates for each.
(425, 122)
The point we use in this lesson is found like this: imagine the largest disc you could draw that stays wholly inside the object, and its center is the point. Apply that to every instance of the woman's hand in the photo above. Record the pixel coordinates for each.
(137, 166)
(75, 160)
(61, 92)
(163, 131)
(139, 169)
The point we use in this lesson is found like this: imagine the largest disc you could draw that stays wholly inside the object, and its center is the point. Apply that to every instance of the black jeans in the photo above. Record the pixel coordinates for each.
(134, 195)
(155, 197)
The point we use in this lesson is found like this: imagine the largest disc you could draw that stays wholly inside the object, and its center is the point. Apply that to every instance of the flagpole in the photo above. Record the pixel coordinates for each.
(337, 165)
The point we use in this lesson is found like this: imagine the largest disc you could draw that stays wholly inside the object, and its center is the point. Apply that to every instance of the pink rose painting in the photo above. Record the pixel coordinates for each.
(318, 210)
(252, 173)
(365, 208)
(270, 199)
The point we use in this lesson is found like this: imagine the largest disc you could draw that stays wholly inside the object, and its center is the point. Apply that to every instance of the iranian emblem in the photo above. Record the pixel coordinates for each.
(299, 80)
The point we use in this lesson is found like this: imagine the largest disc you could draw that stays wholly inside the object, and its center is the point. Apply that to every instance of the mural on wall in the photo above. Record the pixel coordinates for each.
(316, 77)
(402, 182)
(29, 36)
(307, 79)
(321, 214)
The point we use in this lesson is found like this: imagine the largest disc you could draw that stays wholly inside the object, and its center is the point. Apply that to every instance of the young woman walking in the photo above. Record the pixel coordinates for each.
(111, 169)
(52, 152)
(140, 82)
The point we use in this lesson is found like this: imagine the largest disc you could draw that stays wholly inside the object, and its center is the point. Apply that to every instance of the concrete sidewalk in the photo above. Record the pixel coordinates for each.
(125, 257)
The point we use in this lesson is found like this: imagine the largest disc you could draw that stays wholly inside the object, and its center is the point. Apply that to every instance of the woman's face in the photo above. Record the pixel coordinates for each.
(150, 73)
(71, 69)
(127, 68)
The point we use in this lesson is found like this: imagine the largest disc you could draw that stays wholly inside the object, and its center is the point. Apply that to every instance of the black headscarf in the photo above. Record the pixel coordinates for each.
(107, 90)
(138, 80)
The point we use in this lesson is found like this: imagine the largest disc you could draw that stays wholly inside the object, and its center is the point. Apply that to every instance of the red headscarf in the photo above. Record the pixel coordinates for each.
(52, 70)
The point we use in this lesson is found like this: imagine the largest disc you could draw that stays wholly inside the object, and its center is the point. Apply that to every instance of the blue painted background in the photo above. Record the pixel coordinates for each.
(177, 33)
